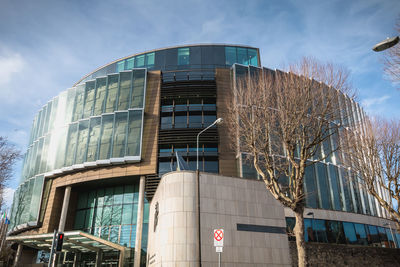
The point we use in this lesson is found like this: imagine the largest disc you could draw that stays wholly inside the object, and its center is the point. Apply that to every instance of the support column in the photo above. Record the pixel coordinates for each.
(17, 255)
(63, 218)
(64, 210)
(99, 258)
(139, 223)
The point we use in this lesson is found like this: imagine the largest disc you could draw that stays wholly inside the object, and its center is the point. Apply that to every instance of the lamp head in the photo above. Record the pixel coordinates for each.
(219, 121)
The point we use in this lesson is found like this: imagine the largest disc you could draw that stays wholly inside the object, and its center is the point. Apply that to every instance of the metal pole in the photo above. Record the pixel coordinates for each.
(139, 223)
(219, 259)
(198, 212)
(52, 249)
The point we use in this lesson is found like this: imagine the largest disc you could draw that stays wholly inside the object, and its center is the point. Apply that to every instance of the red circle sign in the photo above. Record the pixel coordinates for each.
(218, 235)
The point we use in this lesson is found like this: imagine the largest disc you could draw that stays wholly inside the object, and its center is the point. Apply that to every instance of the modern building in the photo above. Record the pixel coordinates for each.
(98, 150)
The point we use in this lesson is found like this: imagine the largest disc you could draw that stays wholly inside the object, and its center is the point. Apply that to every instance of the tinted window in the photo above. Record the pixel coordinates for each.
(183, 56)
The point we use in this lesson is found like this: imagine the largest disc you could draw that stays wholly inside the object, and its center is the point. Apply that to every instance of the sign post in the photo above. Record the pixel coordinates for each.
(219, 243)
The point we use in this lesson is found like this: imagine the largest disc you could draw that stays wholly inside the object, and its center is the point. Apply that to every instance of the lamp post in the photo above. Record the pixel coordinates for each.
(313, 226)
(385, 44)
(391, 231)
(217, 121)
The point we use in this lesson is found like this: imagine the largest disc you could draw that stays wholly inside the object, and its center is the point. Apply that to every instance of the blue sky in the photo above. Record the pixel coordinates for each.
(46, 46)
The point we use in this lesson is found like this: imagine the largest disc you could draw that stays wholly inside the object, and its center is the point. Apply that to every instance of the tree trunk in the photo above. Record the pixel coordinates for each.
(300, 243)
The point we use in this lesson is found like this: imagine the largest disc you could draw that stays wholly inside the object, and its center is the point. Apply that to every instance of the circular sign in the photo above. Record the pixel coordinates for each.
(218, 235)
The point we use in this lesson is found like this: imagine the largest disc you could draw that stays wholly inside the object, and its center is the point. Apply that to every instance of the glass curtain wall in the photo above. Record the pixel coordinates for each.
(337, 232)
(327, 185)
(96, 120)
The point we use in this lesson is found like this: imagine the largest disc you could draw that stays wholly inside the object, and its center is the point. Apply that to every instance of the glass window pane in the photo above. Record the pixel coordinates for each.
(209, 119)
(150, 60)
(242, 57)
(59, 140)
(98, 216)
(82, 142)
(139, 61)
(308, 231)
(211, 166)
(134, 133)
(311, 188)
(361, 234)
(106, 134)
(127, 214)
(138, 88)
(180, 121)
(120, 66)
(334, 231)
(320, 230)
(116, 215)
(166, 122)
(89, 218)
(124, 90)
(68, 106)
(71, 144)
(107, 215)
(121, 122)
(105, 231)
(128, 194)
(323, 186)
(350, 233)
(183, 56)
(130, 63)
(79, 98)
(94, 134)
(91, 199)
(79, 219)
(253, 60)
(118, 195)
(100, 96)
(114, 232)
(125, 235)
(134, 214)
(373, 236)
(195, 121)
(112, 91)
(89, 99)
(333, 177)
(108, 196)
(133, 236)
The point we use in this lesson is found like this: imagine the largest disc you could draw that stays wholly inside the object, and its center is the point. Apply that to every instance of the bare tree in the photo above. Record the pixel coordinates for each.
(281, 121)
(373, 152)
(8, 157)
(392, 59)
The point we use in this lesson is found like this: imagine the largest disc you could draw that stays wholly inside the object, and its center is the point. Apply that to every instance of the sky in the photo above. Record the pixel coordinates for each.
(47, 46)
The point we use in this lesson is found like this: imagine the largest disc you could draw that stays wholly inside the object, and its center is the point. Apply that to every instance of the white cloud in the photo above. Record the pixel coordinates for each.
(10, 64)
(8, 194)
(368, 102)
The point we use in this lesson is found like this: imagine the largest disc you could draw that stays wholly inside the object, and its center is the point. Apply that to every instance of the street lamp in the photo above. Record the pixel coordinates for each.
(217, 121)
(388, 43)
(391, 231)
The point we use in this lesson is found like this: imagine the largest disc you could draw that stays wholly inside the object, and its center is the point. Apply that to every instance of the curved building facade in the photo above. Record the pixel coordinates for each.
(97, 151)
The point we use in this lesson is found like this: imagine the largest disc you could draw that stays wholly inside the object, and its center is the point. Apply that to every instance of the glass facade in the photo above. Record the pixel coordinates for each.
(337, 232)
(96, 120)
(327, 184)
(111, 214)
(201, 57)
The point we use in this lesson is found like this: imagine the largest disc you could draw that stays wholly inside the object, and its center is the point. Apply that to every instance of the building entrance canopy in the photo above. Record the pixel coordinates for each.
(74, 241)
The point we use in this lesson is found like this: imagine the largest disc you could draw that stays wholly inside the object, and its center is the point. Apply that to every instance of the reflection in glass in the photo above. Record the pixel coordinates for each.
(120, 129)
(82, 142)
(138, 89)
(71, 144)
(79, 98)
(134, 133)
(89, 99)
(112, 91)
(94, 134)
(100, 96)
(183, 56)
(124, 90)
(106, 134)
